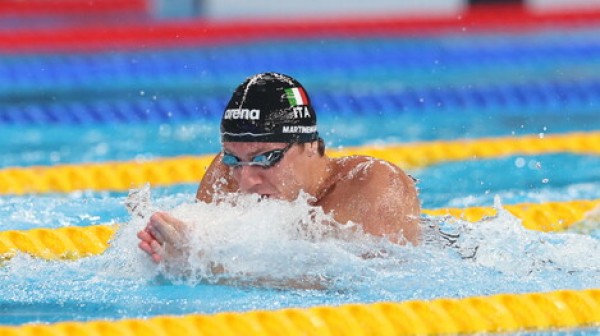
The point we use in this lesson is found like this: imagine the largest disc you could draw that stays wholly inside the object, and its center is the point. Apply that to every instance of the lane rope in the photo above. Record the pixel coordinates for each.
(205, 32)
(74, 242)
(508, 61)
(496, 313)
(552, 97)
(122, 176)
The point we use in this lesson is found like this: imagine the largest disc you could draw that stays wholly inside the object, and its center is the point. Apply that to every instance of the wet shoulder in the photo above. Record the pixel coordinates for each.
(361, 170)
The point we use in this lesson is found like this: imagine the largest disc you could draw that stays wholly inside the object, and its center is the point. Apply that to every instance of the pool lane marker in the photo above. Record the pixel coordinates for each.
(75, 242)
(66, 243)
(122, 176)
(166, 34)
(495, 313)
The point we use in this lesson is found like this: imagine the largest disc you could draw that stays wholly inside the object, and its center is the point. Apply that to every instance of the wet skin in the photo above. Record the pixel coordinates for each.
(373, 193)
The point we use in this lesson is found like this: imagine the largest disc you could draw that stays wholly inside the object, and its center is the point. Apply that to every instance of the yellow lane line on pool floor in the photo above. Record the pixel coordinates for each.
(496, 313)
(76, 242)
(121, 176)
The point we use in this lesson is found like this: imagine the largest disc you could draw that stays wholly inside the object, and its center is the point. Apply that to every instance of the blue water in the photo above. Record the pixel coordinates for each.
(124, 284)
(60, 144)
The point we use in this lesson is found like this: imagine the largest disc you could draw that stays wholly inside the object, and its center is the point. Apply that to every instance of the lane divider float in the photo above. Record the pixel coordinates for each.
(525, 99)
(496, 313)
(171, 34)
(74, 242)
(122, 176)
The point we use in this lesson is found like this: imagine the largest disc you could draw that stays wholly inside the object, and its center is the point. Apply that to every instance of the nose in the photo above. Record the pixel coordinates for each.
(249, 178)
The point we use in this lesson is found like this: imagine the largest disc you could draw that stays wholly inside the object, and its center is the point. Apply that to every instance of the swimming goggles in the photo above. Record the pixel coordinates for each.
(264, 160)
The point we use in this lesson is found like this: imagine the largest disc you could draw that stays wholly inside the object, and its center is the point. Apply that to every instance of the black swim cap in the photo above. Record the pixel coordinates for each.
(269, 107)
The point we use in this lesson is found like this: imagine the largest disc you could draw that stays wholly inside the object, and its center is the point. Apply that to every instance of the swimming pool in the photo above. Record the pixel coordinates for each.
(137, 106)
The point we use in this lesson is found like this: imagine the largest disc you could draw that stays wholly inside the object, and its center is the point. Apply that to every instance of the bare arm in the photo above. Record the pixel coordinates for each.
(383, 200)
(397, 205)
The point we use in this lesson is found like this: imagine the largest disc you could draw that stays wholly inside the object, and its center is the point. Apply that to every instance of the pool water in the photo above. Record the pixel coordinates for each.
(258, 243)
(252, 240)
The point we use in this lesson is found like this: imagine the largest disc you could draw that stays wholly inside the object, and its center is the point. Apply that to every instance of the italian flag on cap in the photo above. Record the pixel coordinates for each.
(296, 96)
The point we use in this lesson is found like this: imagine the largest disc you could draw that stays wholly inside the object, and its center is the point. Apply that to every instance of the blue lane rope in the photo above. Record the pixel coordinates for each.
(422, 62)
(524, 99)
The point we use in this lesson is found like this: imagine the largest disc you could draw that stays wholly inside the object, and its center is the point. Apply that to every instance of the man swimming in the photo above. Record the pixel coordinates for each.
(271, 147)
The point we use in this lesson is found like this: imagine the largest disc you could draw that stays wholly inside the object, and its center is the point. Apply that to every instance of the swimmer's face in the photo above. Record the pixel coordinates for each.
(283, 180)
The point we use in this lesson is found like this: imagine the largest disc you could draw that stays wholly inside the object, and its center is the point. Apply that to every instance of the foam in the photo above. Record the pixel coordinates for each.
(269, 241)
(263, 242)
(501, 243)
(269, 244)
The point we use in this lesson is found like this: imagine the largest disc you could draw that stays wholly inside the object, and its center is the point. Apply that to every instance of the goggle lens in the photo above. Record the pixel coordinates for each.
(265, 160)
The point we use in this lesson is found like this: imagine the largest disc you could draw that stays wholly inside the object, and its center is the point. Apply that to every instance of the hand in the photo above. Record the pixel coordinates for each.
(163, 237)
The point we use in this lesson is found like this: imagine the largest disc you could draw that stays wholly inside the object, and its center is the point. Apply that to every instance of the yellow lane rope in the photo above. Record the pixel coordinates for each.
(496, 313)
(62, 243)
(121, 176)
(76, 242)
(548, 217)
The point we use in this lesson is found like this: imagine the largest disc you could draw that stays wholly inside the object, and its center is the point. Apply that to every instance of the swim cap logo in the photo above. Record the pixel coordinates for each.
(296, 96)
(301, 112)
(247, 114)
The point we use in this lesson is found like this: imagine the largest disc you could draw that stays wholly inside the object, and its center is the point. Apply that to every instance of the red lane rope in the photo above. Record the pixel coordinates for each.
(200, 33)
(69, 7)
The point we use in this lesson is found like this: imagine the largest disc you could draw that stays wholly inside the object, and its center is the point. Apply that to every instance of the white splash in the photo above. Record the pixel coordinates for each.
(501, 243)
(277, 244)
(260, 241)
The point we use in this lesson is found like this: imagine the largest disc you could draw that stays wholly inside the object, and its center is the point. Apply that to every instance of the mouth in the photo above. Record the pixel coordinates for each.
(268, 196)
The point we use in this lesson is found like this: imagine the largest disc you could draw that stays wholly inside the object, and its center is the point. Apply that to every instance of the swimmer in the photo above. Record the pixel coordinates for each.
(271, 147)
